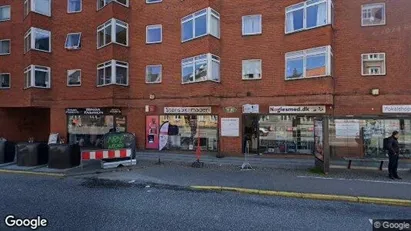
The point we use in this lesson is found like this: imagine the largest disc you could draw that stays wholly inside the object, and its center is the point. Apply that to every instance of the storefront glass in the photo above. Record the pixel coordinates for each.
(183, 132)
(286, 134)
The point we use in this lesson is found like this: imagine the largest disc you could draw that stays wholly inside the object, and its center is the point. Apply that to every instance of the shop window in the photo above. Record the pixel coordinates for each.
(112, 73)
(183, 134)
(373, 64)
(73, 78)
(373, 14)
(74, 6)
(308, 15)
(199, 24)
(113, 31)
(315, 62)
(37, 77)
(103, 3)
(5, 13)
(153, 74)
(37, 39)
(201, 68)
(251, 69)
(154, 34)
(4, 80)
(73, 41)
(5, 47)
(252, 25)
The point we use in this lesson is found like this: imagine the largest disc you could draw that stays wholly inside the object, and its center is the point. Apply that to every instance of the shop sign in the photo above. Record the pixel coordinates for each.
(251, 108)
(187, 110)
(297, 109)
(230, 109)
(396, 108)
(93, 111)
(230, 127)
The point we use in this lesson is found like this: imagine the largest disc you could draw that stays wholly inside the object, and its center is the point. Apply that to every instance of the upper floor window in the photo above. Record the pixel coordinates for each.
(5, 47)
(315, 62)
(4, 80)
(153, 74)
(201, 68)
(252, 25)
(373, 14)
(74, 6)
(153, 1)
(5, 13)
(103, 3)
(113, 31)
(252, 69)
(39, 6)
(307, 15)
(73, 78)
(37, 76)
(73, 41)
(37, 39)
(112, 72)
(199, 24)
(373, 64)
(154, 34)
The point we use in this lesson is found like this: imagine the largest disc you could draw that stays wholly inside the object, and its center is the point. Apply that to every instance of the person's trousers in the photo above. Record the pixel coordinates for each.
(393, 165)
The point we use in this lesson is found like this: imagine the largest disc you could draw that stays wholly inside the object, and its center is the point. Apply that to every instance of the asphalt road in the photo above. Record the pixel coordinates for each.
(78, 204)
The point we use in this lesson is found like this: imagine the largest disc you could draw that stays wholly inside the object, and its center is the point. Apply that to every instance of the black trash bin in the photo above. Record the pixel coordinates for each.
(31, 154)
(7, 151)
(62, 156)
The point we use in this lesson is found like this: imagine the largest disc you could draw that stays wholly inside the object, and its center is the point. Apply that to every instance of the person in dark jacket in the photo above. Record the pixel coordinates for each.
(393, 153)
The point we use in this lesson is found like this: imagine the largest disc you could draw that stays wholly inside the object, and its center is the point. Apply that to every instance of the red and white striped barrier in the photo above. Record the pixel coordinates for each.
(105, 154)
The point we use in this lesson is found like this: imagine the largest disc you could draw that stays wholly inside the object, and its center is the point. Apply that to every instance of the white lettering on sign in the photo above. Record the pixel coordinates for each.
(297, 109)
(187, 110)
(93, 111)
(396, 108)
(251, 108)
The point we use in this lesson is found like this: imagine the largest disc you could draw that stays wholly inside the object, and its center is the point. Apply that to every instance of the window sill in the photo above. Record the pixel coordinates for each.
(382, 24)
(251, 79)
(150, 3)
(75, 85)
(113, 84)
(311, 77)
(251, 35)
(199, 37)
(33, 49)
(149, 83)
(5, 54)
(47, 15)
(35, 87)
(376, 75)
(72, 49)
(307, 29)
(5, 20)
(5, 88)
(202, 81)
(74, 12)
(112, 43)
(153, 43)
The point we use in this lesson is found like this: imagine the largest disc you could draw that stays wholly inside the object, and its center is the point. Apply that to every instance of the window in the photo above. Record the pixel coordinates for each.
(37, 39)
(74, 6)
(315, 62)
(4, 80)
(73, 78)
(201, 68)
(153, 1)
(103, 3)
(252, 69)
(252, 25)
(26, 7)
(307, 15)
(37, 77)
(113, 31)
(199, 24)
(373, 64)
(73, 41)
(112, 73)
(154, 34)
(153, 74)
(373, 14)
(5, 47)
(5, 13)
(41, 7)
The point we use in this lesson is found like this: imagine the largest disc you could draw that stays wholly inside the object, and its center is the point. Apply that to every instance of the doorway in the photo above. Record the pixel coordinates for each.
(250, 133)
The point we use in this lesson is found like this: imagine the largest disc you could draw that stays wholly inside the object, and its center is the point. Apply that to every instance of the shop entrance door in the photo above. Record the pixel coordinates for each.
(250, 133)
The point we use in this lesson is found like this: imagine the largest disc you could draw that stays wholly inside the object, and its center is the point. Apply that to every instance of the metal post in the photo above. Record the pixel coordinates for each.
(246, 165)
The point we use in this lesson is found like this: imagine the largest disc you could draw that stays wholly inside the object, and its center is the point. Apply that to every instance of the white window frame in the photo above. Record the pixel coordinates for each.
(31, 32)
(113, 64)
(32, 7)
(106, 2)
(68, 78)
(371, 6)
(3, 88)
(309, 52)
(113, 22)
(252, 60)
(384, 60)
(32, 69)
(153, 1)
(157, 26)
(73, 47)
(210, 58)
(252, 16)
(73, 12)
(304, 6)
(209, 12)
(8, 19)
(161, 73)
(1, 40)
(26, 8)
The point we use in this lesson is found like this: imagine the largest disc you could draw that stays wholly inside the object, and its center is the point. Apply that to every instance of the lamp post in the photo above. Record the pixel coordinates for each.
(198, 163)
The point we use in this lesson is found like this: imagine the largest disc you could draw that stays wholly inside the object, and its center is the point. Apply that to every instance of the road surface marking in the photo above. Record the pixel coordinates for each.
(344, 179)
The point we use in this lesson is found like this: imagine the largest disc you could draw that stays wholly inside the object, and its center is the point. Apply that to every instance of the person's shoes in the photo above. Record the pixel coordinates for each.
(398, 178)
(391, 177)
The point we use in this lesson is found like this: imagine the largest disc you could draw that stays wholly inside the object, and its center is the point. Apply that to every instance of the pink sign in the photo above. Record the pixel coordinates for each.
(152, 130)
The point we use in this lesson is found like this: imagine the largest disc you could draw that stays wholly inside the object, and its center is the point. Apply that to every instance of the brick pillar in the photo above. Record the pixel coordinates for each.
(58, 122)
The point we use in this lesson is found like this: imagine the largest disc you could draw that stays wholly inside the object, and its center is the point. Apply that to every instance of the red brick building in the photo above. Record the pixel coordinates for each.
(81, 68)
